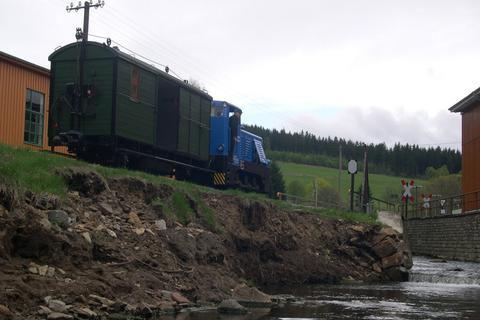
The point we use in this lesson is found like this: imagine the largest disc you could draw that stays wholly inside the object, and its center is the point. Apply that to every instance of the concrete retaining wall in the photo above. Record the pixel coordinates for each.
(452, 237)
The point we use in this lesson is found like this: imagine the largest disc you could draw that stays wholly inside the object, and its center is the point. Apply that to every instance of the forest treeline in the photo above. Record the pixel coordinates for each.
(401, 159)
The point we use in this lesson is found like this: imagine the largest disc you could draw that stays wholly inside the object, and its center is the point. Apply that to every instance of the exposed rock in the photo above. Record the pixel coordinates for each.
(42, 270)
(254, 215)
(3, 211)
(179, 298)
(33, 268)
(59, 316)
(376, 267)
(383, 233)
(104, 301)
(8, 197)
(50, 271)
(45, 223)
(160, 225)
(251, 297)
(358, 228)
(46, 201)
(87, 183)
(134, 220)
(85, 312)
(60, 218)
(111, 233)
(106, 208)
(57, 305)
(231, 306)
(86, 236)
(393, 260)
(385, 248)
(255, 241)
(44, 310)
(139, 231)
(5, 312)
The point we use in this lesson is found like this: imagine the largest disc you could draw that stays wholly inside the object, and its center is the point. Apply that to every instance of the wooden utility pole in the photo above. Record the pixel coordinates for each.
(75, 117)
(339, 174)
(365, 185)
(86, 13)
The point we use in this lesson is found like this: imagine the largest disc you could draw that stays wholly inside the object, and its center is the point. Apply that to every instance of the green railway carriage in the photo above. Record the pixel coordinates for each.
(105, 102)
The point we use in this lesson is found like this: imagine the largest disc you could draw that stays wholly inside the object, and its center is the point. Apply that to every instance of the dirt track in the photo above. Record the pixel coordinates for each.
(104, 249)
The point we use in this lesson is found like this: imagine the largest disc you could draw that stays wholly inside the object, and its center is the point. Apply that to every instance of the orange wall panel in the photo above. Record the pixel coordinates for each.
(471, 150)
(14, 82)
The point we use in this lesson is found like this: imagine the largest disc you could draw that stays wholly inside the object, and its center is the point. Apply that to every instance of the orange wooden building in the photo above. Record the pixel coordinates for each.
(24, 92)
(470, 110)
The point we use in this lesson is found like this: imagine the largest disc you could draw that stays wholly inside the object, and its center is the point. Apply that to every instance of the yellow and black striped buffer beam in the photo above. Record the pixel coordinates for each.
(219, 178)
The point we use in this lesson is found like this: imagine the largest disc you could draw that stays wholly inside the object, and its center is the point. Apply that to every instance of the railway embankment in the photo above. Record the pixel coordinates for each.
(121, 245)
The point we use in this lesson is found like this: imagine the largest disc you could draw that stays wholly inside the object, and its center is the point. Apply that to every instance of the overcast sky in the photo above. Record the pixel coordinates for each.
(369, 70)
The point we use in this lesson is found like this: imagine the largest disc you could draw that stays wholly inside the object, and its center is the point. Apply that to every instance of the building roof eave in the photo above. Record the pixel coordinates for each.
(467, 102)
(24, 64)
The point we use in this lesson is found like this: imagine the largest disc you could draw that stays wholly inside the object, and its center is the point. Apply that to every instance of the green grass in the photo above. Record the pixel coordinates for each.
(380, 184)
(331, 213)
(35, 171)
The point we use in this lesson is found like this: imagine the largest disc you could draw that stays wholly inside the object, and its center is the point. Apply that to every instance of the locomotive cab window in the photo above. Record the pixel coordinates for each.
(217, 112)
(34, 113)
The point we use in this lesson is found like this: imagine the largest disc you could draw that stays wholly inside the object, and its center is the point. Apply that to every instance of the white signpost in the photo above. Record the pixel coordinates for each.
(407, 194)
(442, 204)
(352, 169)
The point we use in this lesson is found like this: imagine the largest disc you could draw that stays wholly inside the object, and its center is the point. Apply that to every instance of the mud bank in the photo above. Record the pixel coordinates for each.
(114, 247)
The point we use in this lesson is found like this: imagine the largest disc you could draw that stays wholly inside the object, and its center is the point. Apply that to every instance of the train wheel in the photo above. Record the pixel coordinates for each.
(120, 160)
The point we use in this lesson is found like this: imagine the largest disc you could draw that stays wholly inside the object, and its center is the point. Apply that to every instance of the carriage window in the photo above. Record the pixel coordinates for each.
(134, 85)
(34, 113)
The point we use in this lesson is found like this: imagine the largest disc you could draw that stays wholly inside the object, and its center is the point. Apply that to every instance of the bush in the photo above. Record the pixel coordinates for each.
(296, 188)
(445, 186)
(277, 184)
(432, 172)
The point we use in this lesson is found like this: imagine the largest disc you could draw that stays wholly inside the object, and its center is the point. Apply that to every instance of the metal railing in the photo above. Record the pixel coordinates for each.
(460, 204)
(308, 202)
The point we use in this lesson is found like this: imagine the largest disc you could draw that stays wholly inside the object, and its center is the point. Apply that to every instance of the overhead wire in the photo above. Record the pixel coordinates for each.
(193, 65)
(205, 76)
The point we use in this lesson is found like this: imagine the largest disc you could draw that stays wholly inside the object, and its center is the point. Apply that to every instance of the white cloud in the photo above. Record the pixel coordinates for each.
(386, 62)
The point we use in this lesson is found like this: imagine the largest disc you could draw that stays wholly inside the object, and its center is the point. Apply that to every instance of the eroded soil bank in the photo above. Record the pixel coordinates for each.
(114, 247)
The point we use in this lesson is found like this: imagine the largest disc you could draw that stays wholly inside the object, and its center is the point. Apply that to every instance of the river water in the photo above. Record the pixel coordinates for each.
(436, 290)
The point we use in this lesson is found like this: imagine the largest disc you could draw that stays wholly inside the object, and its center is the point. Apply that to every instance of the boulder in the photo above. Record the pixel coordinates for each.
(5, 312)
(160, 225)
(104, 301)
(60, 218)
(231, 306)
(385, 248)
(251, 297)
(57, 305)
(106, 208)
(179, 298)
(111, 233)
(44, 311)
(134, 220)
(85, 312)
(87, 237)
(139, 231)
(42, 270)
(59, 316)
(394, 260)
(87, 183)
(46, 201)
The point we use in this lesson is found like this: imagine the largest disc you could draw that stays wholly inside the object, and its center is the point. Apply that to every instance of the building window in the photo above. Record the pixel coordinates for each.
(34, 112)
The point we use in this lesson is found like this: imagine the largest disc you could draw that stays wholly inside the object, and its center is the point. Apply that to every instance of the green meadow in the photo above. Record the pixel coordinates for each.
(382, 186)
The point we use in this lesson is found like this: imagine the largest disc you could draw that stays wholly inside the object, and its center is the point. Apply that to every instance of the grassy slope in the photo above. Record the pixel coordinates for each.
(35, 171)
(378, 183)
